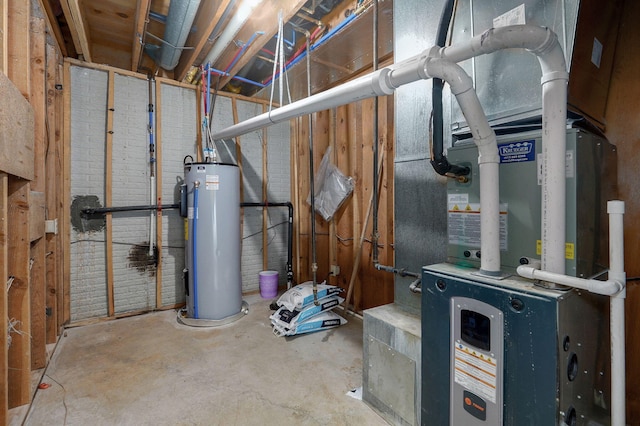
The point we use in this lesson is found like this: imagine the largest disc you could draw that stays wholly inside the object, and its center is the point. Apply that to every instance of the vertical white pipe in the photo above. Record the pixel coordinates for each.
(152, 215)
(616, 272)
(554, 116)
(488, 158)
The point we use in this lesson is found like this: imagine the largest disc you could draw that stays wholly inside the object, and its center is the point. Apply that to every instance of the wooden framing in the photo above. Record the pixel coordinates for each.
(74, 14)
(142, 15)
(38, 268)
(4, 304)
(66, 220)
(208, 16)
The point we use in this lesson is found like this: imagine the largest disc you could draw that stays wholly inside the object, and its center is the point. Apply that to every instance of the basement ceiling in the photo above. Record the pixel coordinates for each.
(237, 38)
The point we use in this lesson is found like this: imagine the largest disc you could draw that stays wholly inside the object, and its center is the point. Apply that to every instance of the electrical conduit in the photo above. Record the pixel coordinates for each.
(194, 248)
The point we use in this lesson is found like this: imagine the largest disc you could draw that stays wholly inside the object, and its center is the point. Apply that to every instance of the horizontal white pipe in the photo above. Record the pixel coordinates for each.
(607, 288)
(488, 158)
(361, 88)
(616, 271)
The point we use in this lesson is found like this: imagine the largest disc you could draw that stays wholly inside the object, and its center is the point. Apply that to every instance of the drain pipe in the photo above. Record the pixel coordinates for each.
(375, 236)
(544, 44)
(289, 237)
(194, 242)
(615, 287)
(152, 169)
(488, 159)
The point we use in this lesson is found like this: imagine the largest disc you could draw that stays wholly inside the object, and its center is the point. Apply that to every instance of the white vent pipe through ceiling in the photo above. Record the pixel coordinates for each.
(544, 44)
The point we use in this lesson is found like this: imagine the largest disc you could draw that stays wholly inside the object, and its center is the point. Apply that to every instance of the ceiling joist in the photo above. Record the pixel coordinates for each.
(142, 17)
(78, 27)
(209, 14)
(53, 24)
(268, 23)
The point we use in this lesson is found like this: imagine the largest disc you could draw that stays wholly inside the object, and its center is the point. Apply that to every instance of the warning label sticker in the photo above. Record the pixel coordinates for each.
(475, 371)
(464, 224)
(212, 183)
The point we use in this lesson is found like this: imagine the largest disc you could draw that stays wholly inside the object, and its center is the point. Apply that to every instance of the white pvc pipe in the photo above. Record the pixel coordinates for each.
(615, 287)
(606, 288)
(152, 218)
(488, 158)
(616, 272)
(543, 43)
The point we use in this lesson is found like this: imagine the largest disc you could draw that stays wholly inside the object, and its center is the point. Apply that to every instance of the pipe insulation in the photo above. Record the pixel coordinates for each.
(180, 18)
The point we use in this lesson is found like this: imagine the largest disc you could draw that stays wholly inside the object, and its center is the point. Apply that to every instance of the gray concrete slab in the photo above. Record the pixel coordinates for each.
(150, 369)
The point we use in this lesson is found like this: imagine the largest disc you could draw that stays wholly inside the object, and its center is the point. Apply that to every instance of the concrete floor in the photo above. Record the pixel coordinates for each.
(150, 369)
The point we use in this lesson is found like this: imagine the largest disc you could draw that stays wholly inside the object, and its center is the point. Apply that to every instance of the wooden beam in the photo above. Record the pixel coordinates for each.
(60, 189)
(108, 201)
(37, 207)
(53, 173)
(4, 19)
(19, 307)
(17, 42)
(66, 217)
(4, 306)
(269, 18)
(142, 18)
(74, 14)
(207, 18)
(52, 23)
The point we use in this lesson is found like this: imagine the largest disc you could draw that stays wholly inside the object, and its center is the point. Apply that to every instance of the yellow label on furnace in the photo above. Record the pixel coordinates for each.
(569, 250)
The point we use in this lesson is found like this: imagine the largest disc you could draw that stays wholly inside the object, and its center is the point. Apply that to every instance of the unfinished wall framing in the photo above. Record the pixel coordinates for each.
(112, 270)
(31, 175)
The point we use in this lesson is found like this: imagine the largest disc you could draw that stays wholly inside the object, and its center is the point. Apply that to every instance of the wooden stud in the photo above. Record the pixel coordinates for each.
(38, 271)
(4, 19)
(4, 305)
(19, 306)
(17, 45)
(108, 194)
(158, 89)
(64, 224)
(142, 14)
(333, 241)
(53, 172)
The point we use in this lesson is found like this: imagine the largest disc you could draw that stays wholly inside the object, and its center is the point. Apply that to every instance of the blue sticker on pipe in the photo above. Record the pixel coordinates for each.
(516, 152)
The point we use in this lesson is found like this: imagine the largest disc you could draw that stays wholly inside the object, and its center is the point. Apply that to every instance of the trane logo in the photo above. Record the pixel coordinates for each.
(515, 149)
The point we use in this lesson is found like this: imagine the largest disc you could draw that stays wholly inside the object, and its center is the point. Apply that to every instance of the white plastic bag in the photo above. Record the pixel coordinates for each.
(332, 188)
(302, 294)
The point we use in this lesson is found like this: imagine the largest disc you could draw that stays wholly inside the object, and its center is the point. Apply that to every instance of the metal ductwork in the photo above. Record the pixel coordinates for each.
(180, 18)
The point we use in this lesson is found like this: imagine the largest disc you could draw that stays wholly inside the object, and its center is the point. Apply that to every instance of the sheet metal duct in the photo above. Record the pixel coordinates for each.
(180, 18)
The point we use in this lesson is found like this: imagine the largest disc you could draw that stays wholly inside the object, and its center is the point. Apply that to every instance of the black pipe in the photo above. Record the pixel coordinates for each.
(439, 161)
(290, 231)
(103, 210)
(374, 200)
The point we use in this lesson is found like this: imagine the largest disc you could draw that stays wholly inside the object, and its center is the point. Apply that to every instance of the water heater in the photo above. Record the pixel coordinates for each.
(213, 279)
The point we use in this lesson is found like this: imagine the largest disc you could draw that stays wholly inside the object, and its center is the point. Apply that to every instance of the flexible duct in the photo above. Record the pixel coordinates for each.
(227, 35)
(180, 18)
